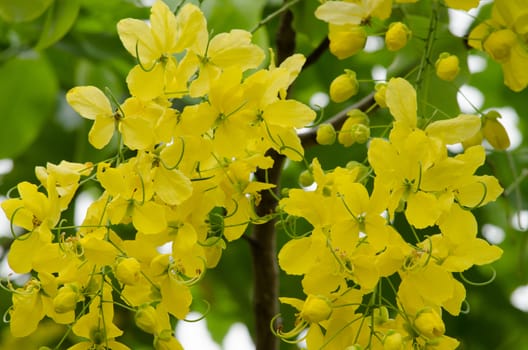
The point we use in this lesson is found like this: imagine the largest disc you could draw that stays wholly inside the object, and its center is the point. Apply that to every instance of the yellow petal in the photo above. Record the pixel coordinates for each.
(149, 218)
(146, 85)
(98, 251)
(89, 102)
(172, 186)
(462, 4)
(163, 24)
(294, 258)
(235, 49)
(136, 35)
(401, 100)
(422, 209)
(454, 130)
(192, 27)
(138, 133)
(20, 256)
(288, 113)
(340, 12)
(176, 297)
(101, 132)
(458, 225)
(26, 313)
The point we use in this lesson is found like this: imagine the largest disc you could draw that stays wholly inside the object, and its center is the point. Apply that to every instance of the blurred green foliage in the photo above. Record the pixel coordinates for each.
(49, 46)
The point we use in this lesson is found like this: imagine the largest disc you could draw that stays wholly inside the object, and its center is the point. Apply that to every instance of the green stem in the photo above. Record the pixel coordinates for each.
(422, 80)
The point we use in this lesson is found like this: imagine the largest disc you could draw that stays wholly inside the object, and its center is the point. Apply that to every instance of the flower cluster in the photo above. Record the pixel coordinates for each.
(354, 252)
(181, 177)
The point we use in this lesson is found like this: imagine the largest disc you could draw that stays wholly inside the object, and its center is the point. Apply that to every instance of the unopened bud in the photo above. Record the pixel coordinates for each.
(380, 315)
(429, 324)
(326, 134)
(447, 67)
(397, 36)
(66, 299)
(316, 309)
(360, 133)
(494, 132)
(306, 178)
(358, 116)
(393, 341)
(354, 129)
(499, 44)
(379, 96)
(363, 170)
(146, 319)
(346, 40)
(128, 271)
(344, 86)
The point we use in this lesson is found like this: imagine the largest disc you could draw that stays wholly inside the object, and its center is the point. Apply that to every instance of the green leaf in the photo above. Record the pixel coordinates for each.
(60, 18)
(232, 14)
(27, 97)
(22, 10)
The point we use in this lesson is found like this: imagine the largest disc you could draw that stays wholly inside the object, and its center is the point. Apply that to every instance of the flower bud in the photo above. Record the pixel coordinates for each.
(359, 116)
(499, 44)
(146, 319)
(393, 341)
(306, 178)
(447, 66)
(380, 315)
(397, 36)
(429, 324)
(344, 86)
(363, 170)
(166, 341)
(379, 96)
(316, 309)
(346, 40)
(494, 132)
(326, 134)
(128, 271)
(360, 133)
(66, 299)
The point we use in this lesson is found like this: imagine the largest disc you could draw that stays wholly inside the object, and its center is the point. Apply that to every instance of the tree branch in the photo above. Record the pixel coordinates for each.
(264, 248)
(317, 52)
(265, 268)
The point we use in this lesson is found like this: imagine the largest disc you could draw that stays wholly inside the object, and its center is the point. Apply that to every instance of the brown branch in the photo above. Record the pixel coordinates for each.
(308, 136)
(265, 268)
(317, 52)
(263, 247)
